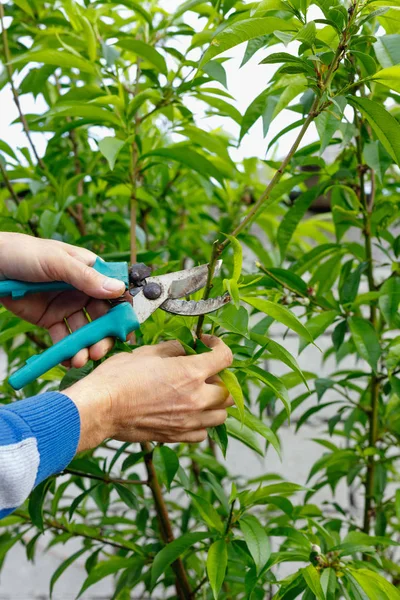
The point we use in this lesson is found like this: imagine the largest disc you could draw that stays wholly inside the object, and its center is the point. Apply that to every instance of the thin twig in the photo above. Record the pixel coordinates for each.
(317, 107)
(7, 56)
(8, 184)
(105, 479)
(57, 525)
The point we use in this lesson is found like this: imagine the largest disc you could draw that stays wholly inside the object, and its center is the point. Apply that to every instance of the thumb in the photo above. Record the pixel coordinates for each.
(86, 279)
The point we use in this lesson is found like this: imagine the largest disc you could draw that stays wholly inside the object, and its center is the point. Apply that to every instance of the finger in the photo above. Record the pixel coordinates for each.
(215, 395)
(228, 402)
(186, 437)
(76, 321)
(169, 349)
(63, 267)
(211, 363)
(194, 437)
(213, 418)
(95, 309)
(57, 332)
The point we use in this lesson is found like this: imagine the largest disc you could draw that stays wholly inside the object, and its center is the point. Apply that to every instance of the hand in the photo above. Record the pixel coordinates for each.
(29, 259)
(156, 393)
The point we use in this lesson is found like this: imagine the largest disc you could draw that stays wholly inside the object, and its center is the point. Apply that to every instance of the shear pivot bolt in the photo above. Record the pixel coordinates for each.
(152, 291)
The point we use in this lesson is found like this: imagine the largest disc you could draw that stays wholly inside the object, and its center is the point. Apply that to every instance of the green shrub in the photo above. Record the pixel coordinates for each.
(132, 191)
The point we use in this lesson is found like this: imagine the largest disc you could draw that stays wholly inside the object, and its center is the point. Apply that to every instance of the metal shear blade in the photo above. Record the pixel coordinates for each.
(173, 286)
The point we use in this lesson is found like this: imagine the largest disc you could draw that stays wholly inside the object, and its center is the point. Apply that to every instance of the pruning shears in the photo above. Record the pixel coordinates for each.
(147, 294)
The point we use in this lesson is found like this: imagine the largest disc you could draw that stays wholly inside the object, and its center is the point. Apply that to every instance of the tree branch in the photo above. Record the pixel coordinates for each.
(106, 480)
(182, 584)
(57, 525)
(7, 56)
(373, 416)
(316, 108)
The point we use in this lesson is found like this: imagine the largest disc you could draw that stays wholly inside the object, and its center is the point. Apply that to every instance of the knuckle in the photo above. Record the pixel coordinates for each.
(228, 356)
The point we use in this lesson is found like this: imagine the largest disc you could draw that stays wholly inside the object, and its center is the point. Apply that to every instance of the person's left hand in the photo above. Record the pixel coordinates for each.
(30, 259)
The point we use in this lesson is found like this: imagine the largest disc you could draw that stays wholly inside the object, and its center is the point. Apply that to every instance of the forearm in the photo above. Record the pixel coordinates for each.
(39, 436)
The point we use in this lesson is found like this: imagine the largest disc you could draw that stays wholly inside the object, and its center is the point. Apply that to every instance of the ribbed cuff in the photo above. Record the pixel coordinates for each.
(54, 421)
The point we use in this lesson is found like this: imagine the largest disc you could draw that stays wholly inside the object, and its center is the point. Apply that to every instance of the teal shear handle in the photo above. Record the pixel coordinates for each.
(118, 322)
(18, 289)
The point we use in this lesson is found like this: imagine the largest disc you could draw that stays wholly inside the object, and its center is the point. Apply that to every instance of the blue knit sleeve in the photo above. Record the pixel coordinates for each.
(38, 437)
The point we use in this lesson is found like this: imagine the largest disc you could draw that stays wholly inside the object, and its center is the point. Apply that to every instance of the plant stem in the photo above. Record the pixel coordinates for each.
(7, 56)
(54, 524)
(373, 416)
(317, 107)
(8, 184)
(106, 479)
(229, 522)
(14, 195)
(182, 584)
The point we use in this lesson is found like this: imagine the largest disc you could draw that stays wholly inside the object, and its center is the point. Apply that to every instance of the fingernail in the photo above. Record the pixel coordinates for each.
(113, 285)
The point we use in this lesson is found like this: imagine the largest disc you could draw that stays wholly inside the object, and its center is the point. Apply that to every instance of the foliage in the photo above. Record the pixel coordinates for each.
(130, 172)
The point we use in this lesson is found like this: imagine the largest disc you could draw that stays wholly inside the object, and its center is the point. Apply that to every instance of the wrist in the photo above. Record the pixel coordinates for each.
(93, 405)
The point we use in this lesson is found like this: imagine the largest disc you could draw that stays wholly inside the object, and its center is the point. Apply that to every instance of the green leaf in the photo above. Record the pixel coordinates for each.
(384, 125)
(279, 313)
(366, 340)
(387, 49)
(286, 278)
(312, 579)
(145, 51)
(172, 551)
(390, 77)
(349, 286)
(231, 286)
(190, 158)
(105, 568)
(57, 58)
(255, 424)
(126, 495)
(328, 583)
(217, 560)
(397, 503)
(279, 352)
(233, 387)
(243, 31)
(292, 218)
(24, 5)
(216, 71)
(94, 114)
(166, 463)
(327, 124)
(235, 320)
(63, 567)
(237, 256)
(207, 512)
(363, 539)
(272, 382)
(12, 332)
(220, 436)
(110, 148)
(377, 158)
(317, 325)
(262, 495)
(256, 539)
(4, 147)
(375, 586)
(244, 434)
(262, 106)
(307, 33)
(389, 301)
(36, 500)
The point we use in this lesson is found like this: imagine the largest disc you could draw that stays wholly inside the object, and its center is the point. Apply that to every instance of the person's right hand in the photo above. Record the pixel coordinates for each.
(156, 393)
